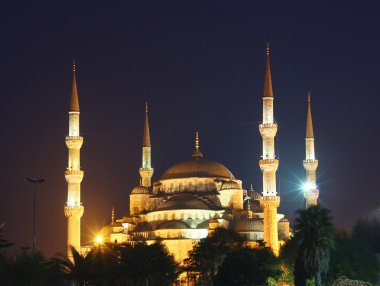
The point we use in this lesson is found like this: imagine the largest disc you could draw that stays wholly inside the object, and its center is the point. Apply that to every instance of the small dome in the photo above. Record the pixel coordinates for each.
(203, 225)
(173, 224)
(284, 220)
(255, 206)
(249, 225)
(228, 185)
(183, 202)
(143, 226)
(140, 190)
(197, 167)
(255, 195)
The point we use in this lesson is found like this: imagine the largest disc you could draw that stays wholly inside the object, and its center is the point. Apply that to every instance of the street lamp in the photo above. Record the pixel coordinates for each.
(34, 181)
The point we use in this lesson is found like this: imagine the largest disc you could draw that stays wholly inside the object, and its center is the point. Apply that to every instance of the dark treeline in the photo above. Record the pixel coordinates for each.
(317, 254)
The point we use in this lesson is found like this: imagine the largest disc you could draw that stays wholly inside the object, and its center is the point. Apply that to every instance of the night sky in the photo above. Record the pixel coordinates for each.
(200, 65)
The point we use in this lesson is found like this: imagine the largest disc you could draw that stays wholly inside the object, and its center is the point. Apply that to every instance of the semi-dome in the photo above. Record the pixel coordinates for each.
(173, 224)
(140, 190)
(228, 185)
(143, 226)
(183, 202)
(249, 224)
(199, 167)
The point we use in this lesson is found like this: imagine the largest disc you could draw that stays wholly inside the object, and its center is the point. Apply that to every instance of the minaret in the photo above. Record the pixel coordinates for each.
(146, 170)
(73, 208)
(311, 192)
(269, 164)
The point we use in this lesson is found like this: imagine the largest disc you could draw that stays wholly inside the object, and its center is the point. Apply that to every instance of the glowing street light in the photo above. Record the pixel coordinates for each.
(99, 239)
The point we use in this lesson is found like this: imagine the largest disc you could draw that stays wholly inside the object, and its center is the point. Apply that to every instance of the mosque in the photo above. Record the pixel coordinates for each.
(194, 196)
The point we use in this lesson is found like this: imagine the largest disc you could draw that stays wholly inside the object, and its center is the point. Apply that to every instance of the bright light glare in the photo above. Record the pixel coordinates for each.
(308, 187)
(99, 239)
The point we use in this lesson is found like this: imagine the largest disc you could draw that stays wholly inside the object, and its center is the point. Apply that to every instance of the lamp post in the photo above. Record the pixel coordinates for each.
(34, 181)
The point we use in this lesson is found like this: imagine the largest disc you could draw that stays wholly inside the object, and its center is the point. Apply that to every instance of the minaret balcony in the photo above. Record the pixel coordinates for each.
(268, 129)
(270, 201)
(73, 211)
(310, 165)
(74, 176)
(268, 165)
(74, 142)
(311, 194)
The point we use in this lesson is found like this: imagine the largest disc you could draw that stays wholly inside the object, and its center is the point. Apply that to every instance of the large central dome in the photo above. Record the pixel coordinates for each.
(199, 167)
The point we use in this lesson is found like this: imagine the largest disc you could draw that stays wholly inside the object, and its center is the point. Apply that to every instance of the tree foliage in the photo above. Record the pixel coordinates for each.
(207, 256)
(247, 266)
(368, 231)
(354, 259)
(144, 264)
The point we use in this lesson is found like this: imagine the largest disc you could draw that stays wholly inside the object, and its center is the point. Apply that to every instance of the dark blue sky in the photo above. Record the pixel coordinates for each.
(200, 64)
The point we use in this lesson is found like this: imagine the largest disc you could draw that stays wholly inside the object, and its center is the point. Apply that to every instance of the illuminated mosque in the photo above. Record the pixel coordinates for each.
(194, 196)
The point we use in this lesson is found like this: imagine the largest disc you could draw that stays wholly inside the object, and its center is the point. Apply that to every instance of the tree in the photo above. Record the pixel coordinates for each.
(3, 242)
(247, 266)
(143, 264)
(206, 257)
(314, 233)
(368, 231)
(79, 269)
(353, 259)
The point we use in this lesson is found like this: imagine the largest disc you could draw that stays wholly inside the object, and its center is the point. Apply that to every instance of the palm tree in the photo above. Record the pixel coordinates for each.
(78, 270)
(314, 233)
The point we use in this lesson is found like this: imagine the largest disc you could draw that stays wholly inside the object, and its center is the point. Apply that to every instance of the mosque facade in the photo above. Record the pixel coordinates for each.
(194, 196)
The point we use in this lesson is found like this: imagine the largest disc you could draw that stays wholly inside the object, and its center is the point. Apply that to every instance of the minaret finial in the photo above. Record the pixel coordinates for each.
(113, 215)
(249, 209)
(196, 152)
(146, 107)
(196, 140)
(73, 65)
(309, 123)
(268, 48)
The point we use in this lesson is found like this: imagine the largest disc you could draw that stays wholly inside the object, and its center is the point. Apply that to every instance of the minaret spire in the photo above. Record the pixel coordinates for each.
(146, 136)
(268, 90)
(74, 102)
(311, 192)
(146, 170)
(309, 123)
(269, 164)
(74, 175)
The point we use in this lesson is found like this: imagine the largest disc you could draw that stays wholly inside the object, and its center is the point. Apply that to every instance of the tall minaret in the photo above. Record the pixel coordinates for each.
(73, 208)
(269, 164)
(311, 192)
(146, 170)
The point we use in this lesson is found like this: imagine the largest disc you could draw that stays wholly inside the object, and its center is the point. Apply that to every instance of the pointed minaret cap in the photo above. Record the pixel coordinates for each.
(309, 123)
(146, 136)
(196, 152)
(268, 90)
(74, 102)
